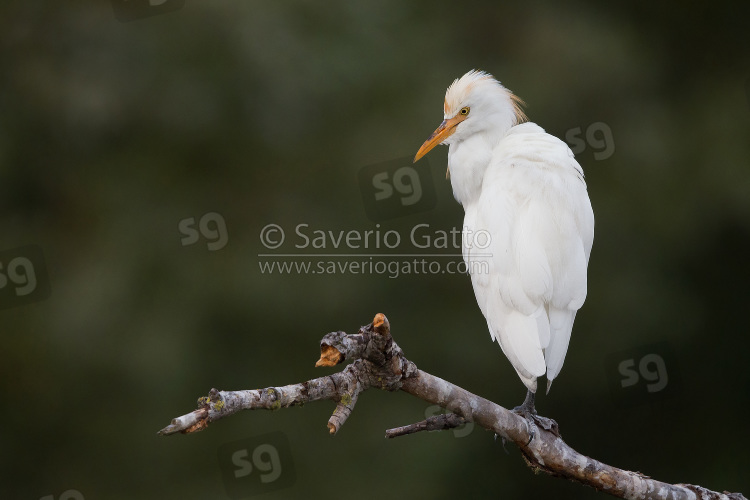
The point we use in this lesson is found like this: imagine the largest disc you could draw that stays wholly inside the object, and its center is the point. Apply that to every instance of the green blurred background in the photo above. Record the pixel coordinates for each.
(111, 133)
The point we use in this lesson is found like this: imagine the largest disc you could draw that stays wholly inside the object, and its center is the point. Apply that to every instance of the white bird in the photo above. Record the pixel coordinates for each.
(523, 189)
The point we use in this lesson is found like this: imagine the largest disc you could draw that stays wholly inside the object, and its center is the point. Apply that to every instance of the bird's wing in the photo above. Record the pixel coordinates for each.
(535, 207)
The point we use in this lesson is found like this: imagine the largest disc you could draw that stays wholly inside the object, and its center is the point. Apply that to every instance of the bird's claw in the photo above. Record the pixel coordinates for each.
(547, 424)
(532, 426)
(503, 440)
(531, 416)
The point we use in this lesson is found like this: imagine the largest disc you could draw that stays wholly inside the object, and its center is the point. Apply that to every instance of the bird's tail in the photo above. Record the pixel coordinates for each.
(522, 339)
(561, 325)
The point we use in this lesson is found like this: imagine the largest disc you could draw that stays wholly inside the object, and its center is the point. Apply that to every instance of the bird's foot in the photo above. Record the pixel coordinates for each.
(527, 411)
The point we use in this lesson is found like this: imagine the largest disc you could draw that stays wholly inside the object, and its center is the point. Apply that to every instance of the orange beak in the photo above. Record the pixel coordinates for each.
(442, 133)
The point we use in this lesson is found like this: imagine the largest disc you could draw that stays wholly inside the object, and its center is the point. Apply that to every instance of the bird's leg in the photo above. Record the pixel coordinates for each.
(527, 411)
(528, 404)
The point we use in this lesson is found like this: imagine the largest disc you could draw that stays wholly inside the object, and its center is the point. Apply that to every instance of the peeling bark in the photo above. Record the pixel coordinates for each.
(378, 362)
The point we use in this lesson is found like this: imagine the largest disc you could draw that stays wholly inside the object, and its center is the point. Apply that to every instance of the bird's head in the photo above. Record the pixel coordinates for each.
(475, 103)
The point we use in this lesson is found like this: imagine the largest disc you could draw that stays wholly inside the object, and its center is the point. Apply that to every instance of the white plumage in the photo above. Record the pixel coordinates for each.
(525, 189)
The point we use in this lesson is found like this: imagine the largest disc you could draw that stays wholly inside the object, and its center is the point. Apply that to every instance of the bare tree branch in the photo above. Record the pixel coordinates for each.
(378, 362)
(436, 423)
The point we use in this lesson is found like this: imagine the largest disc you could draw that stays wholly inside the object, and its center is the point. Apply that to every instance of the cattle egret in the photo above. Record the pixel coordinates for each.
(524, 192)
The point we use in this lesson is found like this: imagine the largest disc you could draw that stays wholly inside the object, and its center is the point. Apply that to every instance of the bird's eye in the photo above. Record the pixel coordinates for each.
(464, 111)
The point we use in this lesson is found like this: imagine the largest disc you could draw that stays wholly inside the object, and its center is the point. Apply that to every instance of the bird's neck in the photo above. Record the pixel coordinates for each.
(468, 161)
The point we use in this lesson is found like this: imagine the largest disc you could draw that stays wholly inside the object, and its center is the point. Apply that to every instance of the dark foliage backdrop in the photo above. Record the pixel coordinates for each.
(140, 162)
